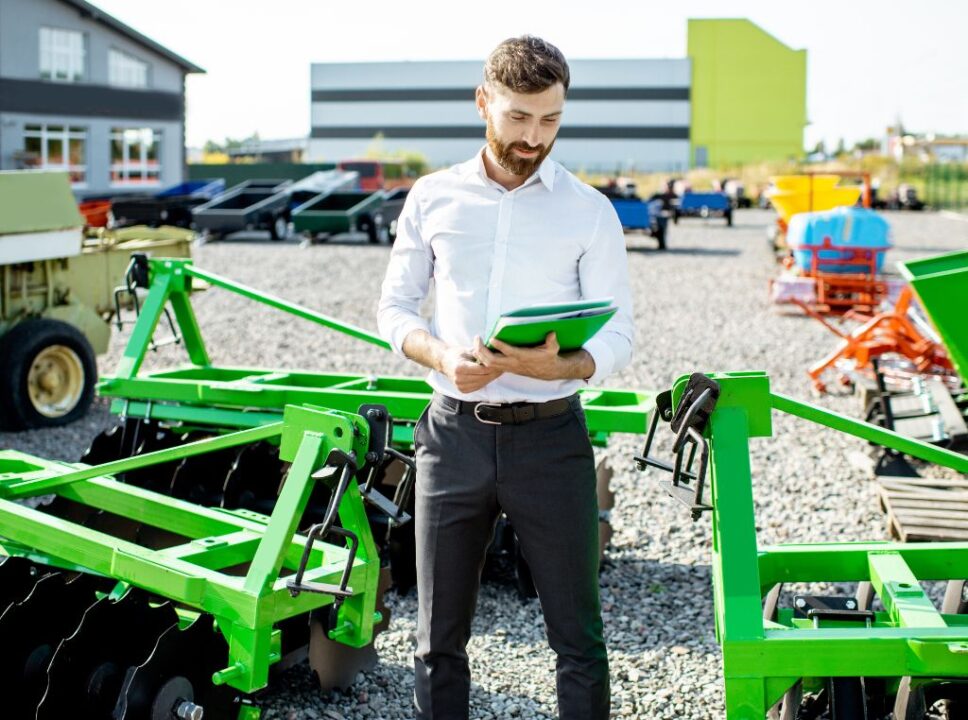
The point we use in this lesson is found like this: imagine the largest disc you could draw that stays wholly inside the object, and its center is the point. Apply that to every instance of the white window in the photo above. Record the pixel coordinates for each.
(61, 55)
(57, 147)
(135, 154)
(126, 71)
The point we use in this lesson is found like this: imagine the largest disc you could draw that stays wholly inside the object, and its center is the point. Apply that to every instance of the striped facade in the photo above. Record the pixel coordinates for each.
(620, 115)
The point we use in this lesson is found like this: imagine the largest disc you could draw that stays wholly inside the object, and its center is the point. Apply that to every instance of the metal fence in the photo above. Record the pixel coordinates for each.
(946, 186)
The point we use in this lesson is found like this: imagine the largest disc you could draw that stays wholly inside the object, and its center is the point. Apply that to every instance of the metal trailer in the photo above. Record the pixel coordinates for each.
(833, 657)
(340, 212)
(172, 206)
(386, 218)
(252, 205)
(703, 204)
(646, 216)
(57, 296)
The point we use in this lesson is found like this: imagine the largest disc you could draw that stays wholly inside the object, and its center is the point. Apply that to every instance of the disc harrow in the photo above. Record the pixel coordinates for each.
(122, 602)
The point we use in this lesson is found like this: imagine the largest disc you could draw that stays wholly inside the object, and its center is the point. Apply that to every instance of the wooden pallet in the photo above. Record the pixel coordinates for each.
(924, 509)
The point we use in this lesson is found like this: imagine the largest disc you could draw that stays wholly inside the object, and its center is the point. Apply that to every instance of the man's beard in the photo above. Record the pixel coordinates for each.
(504, 153)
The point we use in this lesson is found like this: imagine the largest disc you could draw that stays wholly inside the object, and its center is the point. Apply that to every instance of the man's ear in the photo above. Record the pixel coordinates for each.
(480, 97)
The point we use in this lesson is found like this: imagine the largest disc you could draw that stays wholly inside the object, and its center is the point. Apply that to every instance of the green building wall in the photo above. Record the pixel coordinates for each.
(749, 94)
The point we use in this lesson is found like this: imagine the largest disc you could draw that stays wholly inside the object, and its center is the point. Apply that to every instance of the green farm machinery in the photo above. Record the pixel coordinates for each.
(885, 651)
(234, 522)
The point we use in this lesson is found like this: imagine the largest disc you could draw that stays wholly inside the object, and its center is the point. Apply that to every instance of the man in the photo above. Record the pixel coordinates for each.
(505, 431)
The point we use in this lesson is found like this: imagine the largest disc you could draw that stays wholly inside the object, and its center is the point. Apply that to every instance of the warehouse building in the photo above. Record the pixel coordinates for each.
(84, 93)
(739, 96)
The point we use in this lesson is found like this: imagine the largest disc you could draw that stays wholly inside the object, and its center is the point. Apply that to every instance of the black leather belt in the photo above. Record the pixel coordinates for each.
(509, 413)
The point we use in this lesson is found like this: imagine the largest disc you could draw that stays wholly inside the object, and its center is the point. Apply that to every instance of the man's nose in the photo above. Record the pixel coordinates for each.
(532, 135)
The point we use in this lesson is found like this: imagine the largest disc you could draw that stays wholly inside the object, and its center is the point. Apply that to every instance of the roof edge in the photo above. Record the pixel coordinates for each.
(95, 13)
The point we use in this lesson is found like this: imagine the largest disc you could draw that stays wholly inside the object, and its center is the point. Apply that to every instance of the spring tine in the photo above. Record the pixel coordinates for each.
(88, 668)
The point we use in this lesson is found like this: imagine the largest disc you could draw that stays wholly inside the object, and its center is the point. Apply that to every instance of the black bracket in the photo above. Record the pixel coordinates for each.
(688, 422)
(135, 277)
(345, 465)
(379, 455)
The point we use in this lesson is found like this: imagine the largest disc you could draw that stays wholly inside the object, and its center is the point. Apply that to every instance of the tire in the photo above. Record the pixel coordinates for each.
(367, 225)
(47, 374)
(279, 227)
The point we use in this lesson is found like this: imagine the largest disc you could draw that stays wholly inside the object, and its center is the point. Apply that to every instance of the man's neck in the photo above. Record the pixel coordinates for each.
(498, 174)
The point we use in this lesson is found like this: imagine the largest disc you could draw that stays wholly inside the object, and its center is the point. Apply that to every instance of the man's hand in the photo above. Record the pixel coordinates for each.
(463, 369)
(542, 362)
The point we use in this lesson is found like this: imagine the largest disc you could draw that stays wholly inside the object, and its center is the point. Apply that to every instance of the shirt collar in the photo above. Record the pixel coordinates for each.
(474, 170)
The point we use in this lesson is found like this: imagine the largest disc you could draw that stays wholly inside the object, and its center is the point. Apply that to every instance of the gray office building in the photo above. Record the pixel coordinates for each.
(82, 92)
(620, 114)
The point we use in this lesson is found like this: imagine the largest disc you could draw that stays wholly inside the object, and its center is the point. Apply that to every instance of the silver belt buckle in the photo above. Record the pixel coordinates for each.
(477, 412)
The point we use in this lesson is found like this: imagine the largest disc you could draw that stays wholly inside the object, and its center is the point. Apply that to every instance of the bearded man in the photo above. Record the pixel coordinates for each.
(505, 430)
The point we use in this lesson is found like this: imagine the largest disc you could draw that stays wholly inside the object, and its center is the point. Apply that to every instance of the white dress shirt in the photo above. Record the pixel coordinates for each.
(490, 250)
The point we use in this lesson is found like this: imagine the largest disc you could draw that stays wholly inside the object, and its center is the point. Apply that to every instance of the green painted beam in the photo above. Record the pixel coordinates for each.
(43, 485)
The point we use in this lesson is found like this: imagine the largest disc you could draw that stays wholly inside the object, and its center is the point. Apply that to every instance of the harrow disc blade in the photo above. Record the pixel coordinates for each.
(30, 632)
(254, 480)
(17, 578)
(88, 669)
(199, 479)
(336, 665)
(179, 669)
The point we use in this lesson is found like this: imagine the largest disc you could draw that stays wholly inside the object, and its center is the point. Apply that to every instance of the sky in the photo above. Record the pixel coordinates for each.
(868, 62)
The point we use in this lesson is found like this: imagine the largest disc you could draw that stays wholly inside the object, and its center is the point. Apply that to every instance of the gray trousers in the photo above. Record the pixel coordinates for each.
(542, 474)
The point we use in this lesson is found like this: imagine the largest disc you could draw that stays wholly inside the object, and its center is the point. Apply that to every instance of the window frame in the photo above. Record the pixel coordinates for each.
(122, 62)
(55, 47)
(46, 132)
(130, 172)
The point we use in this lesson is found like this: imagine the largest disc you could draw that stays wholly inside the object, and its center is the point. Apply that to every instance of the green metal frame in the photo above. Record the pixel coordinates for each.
(246, 608)
(764, 658)
(205, 394)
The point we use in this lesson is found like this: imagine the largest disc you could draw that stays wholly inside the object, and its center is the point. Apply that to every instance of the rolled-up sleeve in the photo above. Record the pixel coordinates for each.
(408, 277)
(603, 272)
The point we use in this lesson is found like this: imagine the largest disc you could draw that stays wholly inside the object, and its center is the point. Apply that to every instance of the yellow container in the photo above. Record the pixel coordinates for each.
(801, 183)
(809, 193)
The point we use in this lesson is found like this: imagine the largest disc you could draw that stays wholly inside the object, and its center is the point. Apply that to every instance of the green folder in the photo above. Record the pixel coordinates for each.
(572, 332)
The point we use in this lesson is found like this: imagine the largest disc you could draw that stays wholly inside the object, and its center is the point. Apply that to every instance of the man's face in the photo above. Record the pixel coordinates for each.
(521, 127)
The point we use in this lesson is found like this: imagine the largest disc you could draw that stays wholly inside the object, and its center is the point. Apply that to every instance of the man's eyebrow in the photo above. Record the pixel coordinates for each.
(514, 111)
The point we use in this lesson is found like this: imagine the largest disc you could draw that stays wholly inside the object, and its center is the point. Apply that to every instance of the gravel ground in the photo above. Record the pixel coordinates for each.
(702, 305)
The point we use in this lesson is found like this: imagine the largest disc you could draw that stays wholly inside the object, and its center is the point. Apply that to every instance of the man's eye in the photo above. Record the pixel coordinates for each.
(550, 121)
(517, 118)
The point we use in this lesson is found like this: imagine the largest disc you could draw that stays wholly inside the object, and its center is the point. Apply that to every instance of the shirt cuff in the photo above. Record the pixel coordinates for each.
(404, 328)
(604, 359)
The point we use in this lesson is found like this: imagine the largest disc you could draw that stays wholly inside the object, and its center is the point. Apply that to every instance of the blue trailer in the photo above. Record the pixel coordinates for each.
(703, 204)
(635, 213)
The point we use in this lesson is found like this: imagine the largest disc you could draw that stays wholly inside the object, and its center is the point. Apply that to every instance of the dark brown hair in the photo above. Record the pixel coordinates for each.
(527, 64)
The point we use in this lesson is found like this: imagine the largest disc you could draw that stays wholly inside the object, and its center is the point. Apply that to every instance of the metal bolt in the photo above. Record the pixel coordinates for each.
(851, 605)
(187, 710)
(801, 603)
(372, 456)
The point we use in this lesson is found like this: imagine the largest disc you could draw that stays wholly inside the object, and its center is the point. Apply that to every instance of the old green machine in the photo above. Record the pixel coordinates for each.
(235, 521)
(885, 649)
